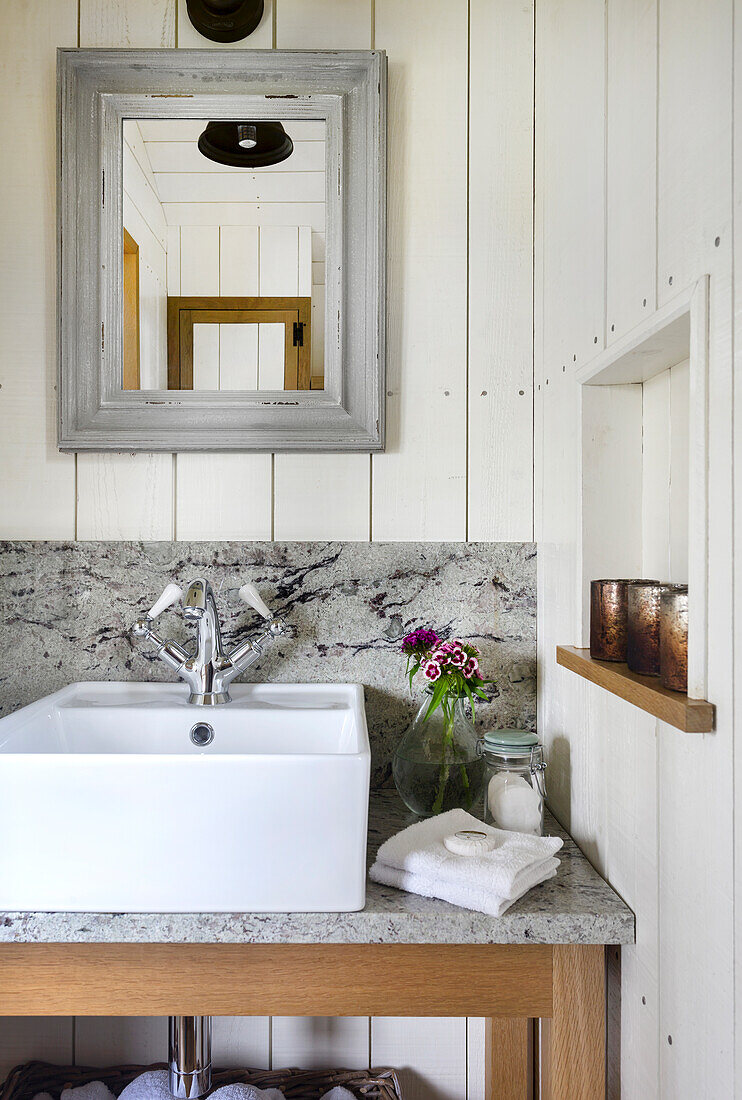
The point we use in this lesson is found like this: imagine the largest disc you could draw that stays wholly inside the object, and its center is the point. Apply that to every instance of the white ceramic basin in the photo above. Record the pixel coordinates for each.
(107, 806)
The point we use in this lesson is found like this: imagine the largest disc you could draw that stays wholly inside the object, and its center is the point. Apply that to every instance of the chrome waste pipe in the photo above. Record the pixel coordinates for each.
(189, 1058)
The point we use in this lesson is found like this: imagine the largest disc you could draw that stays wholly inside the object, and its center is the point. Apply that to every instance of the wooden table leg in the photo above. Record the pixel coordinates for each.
(509, 1058)
(573, 1041)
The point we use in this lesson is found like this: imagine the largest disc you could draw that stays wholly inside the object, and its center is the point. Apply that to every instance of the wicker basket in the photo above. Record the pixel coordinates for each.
(376, 1084)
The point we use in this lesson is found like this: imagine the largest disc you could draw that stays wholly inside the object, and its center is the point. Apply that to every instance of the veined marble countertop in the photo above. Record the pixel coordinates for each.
(576, 906)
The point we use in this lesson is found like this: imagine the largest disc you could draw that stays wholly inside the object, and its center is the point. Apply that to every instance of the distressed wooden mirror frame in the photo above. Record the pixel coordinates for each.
(98, 89)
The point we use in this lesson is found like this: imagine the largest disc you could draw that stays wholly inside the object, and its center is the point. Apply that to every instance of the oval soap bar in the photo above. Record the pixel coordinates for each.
(470, 842)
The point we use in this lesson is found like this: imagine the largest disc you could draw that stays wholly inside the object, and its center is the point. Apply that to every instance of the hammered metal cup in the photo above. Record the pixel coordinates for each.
(674, 637)
(608, 611)
(643, 631)
(608, 618)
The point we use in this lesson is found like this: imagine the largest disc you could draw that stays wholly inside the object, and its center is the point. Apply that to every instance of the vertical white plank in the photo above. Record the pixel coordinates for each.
(206, 357)
(696, 792)
(173, 259)
(323, 480)
(37, 485)
(304, 288)
(140, 24)
(128, 497)
(656, 478)
(241, 1042)
(328, 24)
(500, 271)
(236, 1041)
(271, 356)
(120, 1040)
(324, 25)
(318, 334)
(475, 1058)
(631, 163)
(419, 484)
(239, 275)
(260, 39)
(238, 357)
(430, 1054)
(679, 471)
(569, 325)
(199, 260)
(279, 277)
(125, 495)
(279, 261)
(737, 534)
(238, 261)
(572, 34)
(320, 1042)
(233, 494)
(152, 324)
(26, 1038)
(694, 142)
(632, 865)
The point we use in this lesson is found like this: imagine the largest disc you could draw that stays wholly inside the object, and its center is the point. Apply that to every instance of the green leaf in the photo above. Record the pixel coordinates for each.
(467, 689)
(439, 691)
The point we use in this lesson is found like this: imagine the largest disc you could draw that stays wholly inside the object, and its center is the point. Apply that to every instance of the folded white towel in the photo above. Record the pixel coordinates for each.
(339, 1093)
(484, 881)
(458, 893)
(94, 1090)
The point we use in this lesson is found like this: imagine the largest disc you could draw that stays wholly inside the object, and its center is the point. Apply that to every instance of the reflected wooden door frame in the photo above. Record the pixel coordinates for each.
(184, 312)
(131, 338)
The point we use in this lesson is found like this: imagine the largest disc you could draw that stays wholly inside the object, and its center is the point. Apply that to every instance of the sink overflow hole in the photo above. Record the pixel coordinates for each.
(202, 734)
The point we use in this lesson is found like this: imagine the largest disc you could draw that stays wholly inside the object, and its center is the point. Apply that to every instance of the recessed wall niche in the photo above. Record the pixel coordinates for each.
(643, 472)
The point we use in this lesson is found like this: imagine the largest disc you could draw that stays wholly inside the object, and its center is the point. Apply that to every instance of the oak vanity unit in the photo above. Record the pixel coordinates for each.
(537, 972)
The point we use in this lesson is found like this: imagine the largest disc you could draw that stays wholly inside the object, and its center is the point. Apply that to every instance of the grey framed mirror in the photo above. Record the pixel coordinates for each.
(221, 250)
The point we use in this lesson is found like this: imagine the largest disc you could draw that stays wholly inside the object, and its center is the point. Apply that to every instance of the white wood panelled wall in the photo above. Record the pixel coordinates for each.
(633, 193)
(460, 402)
(460, 399)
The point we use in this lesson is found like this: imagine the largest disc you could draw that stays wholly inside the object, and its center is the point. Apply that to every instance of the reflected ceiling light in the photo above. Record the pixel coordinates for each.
(225, 20)
(245, 144)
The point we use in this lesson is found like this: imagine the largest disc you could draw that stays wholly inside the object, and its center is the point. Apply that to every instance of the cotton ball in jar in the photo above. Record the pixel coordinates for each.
(514, 804)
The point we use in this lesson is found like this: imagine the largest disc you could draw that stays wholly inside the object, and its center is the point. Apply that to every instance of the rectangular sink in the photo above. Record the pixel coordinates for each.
(108, 806)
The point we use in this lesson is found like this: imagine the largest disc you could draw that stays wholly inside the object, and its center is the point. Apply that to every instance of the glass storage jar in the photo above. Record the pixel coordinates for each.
(514, 789)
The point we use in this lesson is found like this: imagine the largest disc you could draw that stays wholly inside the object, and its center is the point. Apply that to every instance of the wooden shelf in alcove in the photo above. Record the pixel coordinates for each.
(645, 692)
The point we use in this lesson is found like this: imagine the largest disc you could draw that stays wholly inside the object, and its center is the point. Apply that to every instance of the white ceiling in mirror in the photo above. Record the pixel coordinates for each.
(196, 227)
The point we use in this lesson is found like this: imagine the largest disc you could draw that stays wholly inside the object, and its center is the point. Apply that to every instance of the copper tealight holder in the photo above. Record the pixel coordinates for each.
(674, 637)
(643, 629)
(608, 618)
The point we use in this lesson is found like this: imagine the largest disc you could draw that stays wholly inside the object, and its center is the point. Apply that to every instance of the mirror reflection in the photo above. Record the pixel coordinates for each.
(223, 254)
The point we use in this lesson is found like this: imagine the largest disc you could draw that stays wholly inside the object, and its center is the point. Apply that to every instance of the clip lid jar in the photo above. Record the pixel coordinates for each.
(515, 788)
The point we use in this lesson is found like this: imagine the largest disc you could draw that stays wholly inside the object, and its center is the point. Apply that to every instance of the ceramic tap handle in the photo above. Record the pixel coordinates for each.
(170, 596)
(249, 595)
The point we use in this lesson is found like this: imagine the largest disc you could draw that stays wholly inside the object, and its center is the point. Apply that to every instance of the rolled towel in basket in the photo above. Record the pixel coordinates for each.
(152, 1085)
(241, 1091)
(94, 1090)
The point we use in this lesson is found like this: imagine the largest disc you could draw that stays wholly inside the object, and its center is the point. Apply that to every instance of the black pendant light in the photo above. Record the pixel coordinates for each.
(225, 20)
(245, 144)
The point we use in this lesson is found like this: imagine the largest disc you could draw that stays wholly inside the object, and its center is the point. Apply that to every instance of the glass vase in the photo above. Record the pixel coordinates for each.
(437, 765)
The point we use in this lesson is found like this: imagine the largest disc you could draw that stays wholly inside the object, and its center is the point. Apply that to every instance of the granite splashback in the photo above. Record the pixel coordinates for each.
(67, 608)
